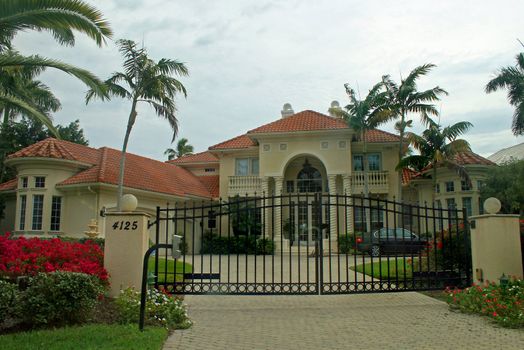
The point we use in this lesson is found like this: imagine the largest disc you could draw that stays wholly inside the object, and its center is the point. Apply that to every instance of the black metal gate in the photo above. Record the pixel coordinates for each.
(311, 244)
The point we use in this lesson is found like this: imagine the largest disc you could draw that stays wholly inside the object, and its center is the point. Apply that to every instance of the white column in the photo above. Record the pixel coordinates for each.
(266, 212)
(280, 243)
(349, 209)
(333, 209)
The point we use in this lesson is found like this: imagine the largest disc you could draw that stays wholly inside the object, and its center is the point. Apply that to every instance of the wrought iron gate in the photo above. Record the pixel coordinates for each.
(311, 244)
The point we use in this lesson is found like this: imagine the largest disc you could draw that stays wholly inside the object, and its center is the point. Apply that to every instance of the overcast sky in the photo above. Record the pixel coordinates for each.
(248, 58)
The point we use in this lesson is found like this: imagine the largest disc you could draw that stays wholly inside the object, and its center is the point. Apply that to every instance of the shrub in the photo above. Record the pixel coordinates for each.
(59, 298)
(26, 257)
(214, 244)
(504, 304)
(346, 243)
(8, 299)
(161, 309)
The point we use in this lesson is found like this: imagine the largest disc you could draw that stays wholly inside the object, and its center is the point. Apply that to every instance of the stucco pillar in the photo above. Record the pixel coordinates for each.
(348, 215)
(280, 243)
(126, 242)
(333, 209)
(495, 247)
(266, 212)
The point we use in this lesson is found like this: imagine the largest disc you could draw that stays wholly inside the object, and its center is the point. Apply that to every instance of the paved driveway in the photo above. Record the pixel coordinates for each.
(367, 321)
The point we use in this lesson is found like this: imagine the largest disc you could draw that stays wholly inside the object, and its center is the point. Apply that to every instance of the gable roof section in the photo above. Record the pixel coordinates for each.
(380, 136)
(202, 157)
(8, 185)
(212, 184)
(302, 121)
(239, 142)
(407, 175)
(140, 173)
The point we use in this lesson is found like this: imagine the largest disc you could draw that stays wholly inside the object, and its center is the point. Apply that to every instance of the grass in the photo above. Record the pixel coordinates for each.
(93, 336)
(171, 270)
(379, 269)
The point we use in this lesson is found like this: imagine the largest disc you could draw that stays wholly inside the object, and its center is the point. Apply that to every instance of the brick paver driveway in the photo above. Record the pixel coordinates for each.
(406, 320)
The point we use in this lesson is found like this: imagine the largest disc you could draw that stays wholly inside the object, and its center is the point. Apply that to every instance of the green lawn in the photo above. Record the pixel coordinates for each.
(95, 336)
(380, 269)
(170, 269)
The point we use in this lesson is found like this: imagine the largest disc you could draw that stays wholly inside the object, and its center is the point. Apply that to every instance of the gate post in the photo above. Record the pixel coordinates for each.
(495, 244)
(126, 242)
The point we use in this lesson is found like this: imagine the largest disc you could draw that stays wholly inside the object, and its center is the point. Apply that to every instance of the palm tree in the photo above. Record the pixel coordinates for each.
(512, 79)
(170, 153)
(364, 115)
(182, 148)
(404, 98)
(144, 81)
(438, 147)
(61, 18)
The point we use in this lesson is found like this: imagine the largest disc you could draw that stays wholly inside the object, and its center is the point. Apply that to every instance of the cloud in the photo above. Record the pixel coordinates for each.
(247, 58)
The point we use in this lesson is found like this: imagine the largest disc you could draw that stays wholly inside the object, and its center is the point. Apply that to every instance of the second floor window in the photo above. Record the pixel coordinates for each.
(466, 203)
(450, 186)
(373, 162)
(24, 182)
(246, 166)
(465, 185)
(39, 181)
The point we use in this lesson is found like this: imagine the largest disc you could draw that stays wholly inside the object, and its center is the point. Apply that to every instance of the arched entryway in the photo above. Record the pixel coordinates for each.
(303, 219)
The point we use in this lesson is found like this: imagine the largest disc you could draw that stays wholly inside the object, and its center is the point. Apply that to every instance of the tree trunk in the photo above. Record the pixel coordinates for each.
(366, 182)
(434, 183)
(400, 154)
(130, 123)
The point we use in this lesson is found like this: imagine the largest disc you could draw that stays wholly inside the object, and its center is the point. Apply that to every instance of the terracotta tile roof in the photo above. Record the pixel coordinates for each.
(242, 141)
(407, 175)
(465, 158)
(141, 173)
(202, 157)
(379, 136)
(302, 121)
(212, 183)
(8, 185)
(58, 149)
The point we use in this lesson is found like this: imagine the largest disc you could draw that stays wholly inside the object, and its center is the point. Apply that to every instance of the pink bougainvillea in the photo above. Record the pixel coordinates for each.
(28, 256)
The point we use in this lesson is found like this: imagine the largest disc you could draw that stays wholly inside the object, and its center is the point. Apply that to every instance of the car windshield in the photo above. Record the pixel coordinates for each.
(406, 234)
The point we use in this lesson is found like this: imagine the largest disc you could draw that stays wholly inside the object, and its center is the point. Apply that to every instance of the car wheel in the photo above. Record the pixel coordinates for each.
(375, 251)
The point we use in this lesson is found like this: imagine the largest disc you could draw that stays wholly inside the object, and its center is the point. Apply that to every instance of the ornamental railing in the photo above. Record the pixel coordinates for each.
(378, 181)
(242, 185)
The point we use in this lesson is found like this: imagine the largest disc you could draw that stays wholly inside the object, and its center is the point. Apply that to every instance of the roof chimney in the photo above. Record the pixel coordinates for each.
(335, 106)
(287, 110)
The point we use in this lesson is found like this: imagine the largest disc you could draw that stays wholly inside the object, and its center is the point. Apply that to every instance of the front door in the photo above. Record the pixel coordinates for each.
(306, 223)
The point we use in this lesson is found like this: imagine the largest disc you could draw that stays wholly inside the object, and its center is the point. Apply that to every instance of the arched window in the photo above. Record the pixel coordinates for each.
(309, 179)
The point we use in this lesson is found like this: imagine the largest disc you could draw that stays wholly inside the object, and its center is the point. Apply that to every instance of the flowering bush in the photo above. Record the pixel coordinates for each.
(27, 257)
(502, 303)
(161, 309)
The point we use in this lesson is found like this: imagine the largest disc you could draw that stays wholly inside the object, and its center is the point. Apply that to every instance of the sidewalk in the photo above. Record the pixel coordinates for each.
(406, 320)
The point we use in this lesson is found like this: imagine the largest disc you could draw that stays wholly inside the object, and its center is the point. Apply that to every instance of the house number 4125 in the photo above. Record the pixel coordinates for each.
(125, 225)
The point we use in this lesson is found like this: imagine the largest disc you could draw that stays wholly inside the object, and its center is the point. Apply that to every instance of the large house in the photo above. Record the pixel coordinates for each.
(61, 186)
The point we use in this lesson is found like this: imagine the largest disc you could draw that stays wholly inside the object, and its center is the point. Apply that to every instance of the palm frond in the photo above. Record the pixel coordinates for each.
(85, 76)
(167, 112)
(30, 111)
(59, 17)
(453, 131)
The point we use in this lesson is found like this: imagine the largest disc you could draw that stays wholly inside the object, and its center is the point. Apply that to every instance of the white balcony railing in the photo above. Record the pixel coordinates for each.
(242, 185)
(378, 182)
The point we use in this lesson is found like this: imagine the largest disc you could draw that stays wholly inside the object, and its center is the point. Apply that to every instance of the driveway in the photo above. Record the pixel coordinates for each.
(406, 320)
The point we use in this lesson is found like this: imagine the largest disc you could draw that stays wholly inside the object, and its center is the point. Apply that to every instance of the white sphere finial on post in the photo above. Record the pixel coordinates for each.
(129, 203)
(492, 205)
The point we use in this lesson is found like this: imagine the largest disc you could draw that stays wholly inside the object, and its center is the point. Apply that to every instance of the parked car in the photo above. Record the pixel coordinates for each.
(390, 241)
